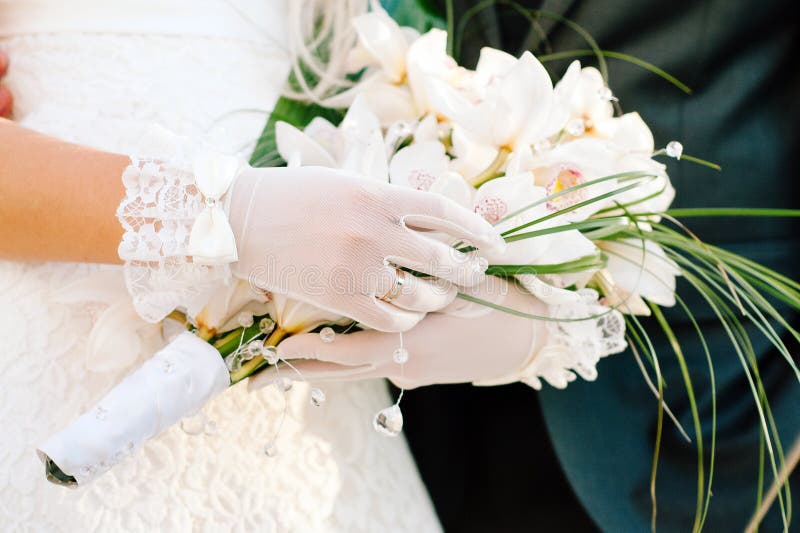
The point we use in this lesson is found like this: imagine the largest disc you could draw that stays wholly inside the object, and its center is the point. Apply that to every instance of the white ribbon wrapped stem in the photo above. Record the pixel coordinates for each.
(176, 382)
(211, 240)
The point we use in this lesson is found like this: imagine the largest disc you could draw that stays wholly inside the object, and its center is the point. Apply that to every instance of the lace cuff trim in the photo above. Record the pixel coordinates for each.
(160, 206)
(572, 348)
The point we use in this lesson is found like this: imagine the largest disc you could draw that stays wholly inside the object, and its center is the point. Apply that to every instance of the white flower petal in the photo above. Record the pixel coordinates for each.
(419, 165)
(382, 38)
(114, 342)
(547, 293)
(493, 64)
(653, 278)
(427, 57)
(364, 150)
(295, 146)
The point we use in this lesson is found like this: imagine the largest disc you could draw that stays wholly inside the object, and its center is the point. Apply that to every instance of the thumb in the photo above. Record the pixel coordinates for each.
(353, 349)
(311, 371)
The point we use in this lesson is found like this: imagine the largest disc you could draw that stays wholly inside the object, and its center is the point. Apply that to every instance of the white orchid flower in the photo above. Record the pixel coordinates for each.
(582, 100)
(383, 42)
(293, 316)
(357, 145)
(498, 200)
(425, 166)
(522, 94)
(646, 272)
(470, 157)
(398, 61)
(626, 145)
(221, 310)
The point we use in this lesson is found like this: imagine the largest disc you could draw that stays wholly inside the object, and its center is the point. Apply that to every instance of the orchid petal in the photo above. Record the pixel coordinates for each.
(364, 150)
(114, 342)
(547, 293)
(293, 145)
(653, 278)
(418, 166)
(382, 38)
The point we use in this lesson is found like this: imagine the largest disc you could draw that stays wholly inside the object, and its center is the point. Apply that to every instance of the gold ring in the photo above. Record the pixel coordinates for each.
(397, 286)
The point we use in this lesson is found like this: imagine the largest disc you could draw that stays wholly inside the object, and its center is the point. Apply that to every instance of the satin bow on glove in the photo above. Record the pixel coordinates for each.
(334, 240)
(466, 343)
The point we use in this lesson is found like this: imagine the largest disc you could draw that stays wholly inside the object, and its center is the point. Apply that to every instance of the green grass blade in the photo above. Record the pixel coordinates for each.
(621, 177)
(676, 348)
(567, 54)
(731, 211)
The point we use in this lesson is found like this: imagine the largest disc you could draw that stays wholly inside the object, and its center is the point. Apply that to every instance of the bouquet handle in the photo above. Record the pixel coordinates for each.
(176, 382)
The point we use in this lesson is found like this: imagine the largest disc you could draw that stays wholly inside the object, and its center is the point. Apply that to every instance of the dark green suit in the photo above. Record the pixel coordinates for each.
(739, 58)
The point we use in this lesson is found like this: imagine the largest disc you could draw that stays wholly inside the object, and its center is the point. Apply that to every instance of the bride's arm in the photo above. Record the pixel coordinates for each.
(57, 200)
(6, 100)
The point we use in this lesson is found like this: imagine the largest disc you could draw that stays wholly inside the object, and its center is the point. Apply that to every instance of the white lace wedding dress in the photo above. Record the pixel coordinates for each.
(99, 73)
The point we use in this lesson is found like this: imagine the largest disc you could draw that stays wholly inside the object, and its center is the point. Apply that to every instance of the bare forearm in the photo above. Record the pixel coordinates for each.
(57, 200)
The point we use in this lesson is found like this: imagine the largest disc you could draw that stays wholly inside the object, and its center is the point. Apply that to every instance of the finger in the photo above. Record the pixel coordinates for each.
(3, 63)
(427, 296)
(435, 212)
(445, 262)
(385, 317)
(313, 371)
(353, 349)
(6, 102)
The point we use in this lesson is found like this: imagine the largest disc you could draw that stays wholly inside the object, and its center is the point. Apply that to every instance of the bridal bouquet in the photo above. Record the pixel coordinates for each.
(574, 187)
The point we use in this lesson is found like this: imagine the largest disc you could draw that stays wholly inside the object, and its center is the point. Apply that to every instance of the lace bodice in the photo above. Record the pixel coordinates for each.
(333, 472)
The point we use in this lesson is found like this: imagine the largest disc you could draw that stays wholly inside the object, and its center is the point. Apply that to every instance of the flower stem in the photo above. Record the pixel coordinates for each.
(256, 363)
(205, 333)
(493, 170)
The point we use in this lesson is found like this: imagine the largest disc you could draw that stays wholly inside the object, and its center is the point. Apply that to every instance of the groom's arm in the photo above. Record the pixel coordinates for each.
(57, 200)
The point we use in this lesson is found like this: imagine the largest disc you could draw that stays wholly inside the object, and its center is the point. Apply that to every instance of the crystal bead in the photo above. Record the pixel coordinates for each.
(400, 356)
(270, 450)
(167, 366)
(389, 421)
(244, 319)
(674, 149)
(100, 413)
(210, 428)
(233, 362)
(542, 146)
(194, 425)
(576, 127)
(270, 354)
(327, 334)
(284, 384)
(211, 202)
(254, 348)
(317, 397)
(266, 325)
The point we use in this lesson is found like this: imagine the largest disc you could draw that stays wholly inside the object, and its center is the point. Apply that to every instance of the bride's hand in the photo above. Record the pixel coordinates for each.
(6, 100)
(468, 343)
(334, 240)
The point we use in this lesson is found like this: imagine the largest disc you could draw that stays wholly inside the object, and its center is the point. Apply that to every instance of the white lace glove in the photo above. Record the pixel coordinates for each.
(334, 240)
(318, 235)
(468, 343)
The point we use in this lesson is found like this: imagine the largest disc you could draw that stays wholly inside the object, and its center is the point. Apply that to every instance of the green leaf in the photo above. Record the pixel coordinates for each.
(296, 113)
(421, 15)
